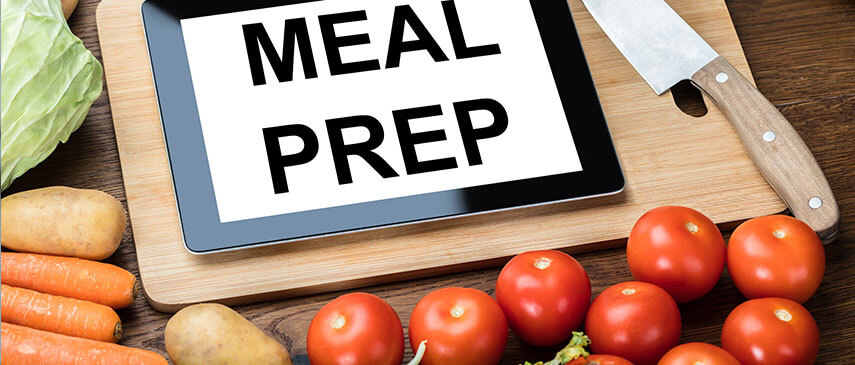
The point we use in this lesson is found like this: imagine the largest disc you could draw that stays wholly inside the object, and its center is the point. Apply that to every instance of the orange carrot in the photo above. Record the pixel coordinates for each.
(68, 316)
(22, 345)
(70, 277)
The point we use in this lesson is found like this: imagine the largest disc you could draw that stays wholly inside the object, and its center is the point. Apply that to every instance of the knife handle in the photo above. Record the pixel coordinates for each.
(776, 148)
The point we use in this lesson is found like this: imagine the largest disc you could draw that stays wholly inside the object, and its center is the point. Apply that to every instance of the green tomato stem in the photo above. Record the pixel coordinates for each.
(574, 350)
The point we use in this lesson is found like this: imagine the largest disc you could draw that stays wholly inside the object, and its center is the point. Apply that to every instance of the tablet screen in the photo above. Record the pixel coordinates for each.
(331, 103)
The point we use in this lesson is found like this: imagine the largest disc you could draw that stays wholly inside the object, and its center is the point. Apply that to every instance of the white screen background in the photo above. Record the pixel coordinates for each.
(233, 111)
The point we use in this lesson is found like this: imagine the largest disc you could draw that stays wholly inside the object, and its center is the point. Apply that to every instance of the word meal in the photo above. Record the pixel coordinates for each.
(297, 40)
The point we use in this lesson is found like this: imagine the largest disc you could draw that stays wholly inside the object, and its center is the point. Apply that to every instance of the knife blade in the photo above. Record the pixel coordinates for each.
(665, 50)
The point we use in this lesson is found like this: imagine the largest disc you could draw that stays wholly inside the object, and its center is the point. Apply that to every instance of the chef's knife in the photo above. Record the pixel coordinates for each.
(665, 50)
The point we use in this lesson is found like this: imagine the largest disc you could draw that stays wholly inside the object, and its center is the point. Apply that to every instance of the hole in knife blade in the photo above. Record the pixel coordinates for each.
(689, 99)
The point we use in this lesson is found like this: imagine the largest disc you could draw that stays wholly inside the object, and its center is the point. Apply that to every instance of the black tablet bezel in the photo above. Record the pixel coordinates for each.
(201, 228)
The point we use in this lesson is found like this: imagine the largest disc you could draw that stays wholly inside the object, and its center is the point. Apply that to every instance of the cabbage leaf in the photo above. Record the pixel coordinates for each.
(48, 82)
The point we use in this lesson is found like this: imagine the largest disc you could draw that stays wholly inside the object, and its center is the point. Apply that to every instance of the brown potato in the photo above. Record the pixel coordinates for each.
(62, 221)
(215, 334)
(68, 7)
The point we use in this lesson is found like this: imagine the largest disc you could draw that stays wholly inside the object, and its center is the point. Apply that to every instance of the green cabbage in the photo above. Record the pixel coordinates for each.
(48, 81)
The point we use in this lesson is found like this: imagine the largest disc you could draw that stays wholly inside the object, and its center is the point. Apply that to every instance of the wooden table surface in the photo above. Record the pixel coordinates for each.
(802, 54)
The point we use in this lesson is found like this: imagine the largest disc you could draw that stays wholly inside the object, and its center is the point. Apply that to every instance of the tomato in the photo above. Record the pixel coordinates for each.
(776, 256)
(698, 353)
(634, 320)
(461, 325)
(545, 295)
(601, 360)
(356, 329)
(678, 249)
(771, 331)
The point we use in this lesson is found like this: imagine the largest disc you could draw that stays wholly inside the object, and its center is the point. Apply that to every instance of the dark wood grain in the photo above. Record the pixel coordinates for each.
(802, 54)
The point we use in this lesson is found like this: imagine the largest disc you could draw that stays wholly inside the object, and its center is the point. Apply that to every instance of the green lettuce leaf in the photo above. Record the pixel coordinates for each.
(48, 82)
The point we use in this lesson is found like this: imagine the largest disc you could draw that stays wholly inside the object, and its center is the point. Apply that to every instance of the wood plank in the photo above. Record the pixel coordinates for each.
(90, 160)
(799, 46)
(649, 132)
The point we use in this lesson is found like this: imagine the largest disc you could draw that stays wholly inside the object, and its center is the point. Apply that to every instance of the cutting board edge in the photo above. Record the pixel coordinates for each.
(169, 306)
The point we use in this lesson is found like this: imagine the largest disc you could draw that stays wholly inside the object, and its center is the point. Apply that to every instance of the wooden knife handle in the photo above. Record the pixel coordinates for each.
(776, 148)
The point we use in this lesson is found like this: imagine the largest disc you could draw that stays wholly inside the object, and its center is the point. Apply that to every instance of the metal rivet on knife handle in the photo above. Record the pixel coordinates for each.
(815, 202)
(721, 77)
(769, 136)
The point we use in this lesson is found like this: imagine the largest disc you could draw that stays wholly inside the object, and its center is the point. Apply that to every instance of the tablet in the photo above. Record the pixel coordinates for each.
(293, 119)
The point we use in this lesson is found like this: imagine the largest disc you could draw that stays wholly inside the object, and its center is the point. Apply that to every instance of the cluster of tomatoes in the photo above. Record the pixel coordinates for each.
(676, 254)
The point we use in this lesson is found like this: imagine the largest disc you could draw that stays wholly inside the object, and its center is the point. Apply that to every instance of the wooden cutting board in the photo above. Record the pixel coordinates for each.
(668, 157)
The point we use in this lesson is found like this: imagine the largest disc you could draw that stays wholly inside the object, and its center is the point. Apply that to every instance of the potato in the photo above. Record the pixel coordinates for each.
(62, 221)
(68, 7)
(215, 334)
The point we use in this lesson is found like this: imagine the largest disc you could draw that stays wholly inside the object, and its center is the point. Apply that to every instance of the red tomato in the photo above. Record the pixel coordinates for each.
(545, 295)
(678, 249)
(771, 331)
(776, 256)
(461, 325)
(634, 320)
(601, 360)
(698, 353)
(356, 329)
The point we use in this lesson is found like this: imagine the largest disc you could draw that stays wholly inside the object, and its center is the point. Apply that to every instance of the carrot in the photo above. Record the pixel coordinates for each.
(22, 345)
(68, 316)
(70, 277)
